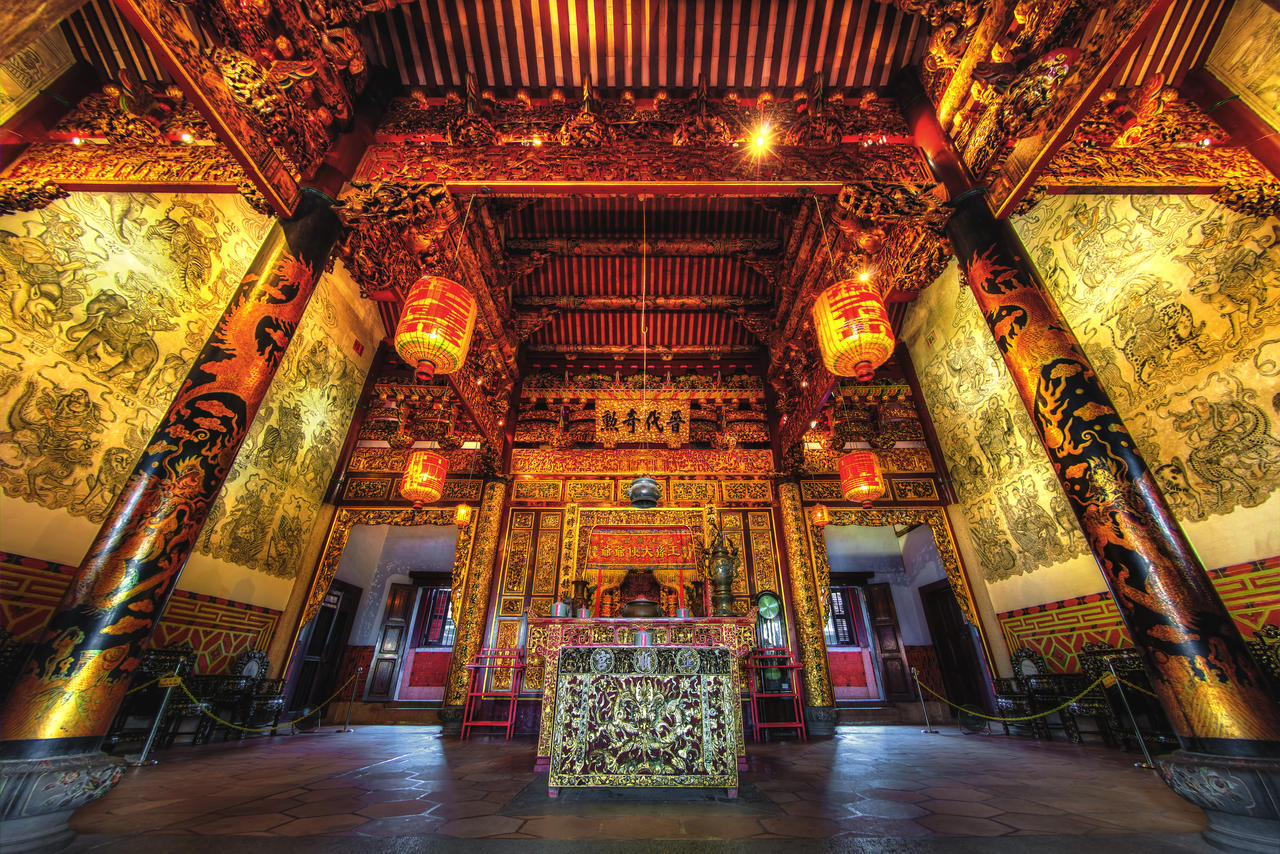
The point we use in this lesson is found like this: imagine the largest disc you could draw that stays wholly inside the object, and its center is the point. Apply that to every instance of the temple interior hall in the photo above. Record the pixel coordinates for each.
(633, 425)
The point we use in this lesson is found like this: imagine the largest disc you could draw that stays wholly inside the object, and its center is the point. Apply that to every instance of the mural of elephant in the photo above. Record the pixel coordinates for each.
(111, 328)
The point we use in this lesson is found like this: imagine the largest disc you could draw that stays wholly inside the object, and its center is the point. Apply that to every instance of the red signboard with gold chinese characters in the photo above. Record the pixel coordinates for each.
(642, 547)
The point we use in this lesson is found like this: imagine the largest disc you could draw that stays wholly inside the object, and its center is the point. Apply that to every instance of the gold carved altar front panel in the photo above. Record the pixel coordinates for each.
(645, 716)
(548, 636)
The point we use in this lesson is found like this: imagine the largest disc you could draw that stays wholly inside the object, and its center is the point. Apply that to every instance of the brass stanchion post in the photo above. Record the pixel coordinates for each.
(915, 674)
(351, 698)
(1111, 665)
(155, 724)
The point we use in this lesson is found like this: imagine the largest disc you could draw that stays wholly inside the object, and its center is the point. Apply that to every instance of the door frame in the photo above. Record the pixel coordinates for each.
(934, 517)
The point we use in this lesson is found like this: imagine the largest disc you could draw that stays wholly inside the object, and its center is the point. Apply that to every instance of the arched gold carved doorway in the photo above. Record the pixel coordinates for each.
(472, 568)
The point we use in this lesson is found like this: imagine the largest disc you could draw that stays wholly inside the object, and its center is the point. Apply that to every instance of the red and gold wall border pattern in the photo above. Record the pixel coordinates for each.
(1059, 630)
(217, 629)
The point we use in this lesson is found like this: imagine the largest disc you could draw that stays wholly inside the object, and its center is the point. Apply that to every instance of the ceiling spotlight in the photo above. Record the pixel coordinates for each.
(537, 141)
(813, 424)
(864, 276)
(185, 137)
(1206, 142)
(75, 140)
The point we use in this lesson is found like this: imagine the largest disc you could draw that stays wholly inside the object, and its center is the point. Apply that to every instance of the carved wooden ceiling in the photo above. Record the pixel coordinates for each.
(562, 158)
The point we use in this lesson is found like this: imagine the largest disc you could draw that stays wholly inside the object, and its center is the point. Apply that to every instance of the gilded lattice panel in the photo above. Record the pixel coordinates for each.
(914, 489)
(536, 490)
(515, 573)
(541, 607)
(547, 559)
(469, 598)
(813, 649)
(694, 491)
(732, 523)
(461, 490)
(536, 662)
(760, 520)
(820, 490)
(746, 491)
(764, 562)
(587, 491)
(366, 489)
(505, 637)
(511, 606)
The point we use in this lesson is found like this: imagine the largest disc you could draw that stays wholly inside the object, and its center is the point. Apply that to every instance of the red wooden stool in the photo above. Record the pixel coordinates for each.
(772, 674)
(492, 660)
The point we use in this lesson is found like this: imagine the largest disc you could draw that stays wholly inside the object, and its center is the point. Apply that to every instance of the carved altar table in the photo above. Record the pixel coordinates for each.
(646, 716)
(549, 636)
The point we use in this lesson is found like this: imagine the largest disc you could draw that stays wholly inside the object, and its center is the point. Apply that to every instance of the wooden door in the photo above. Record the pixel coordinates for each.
(963, 675)
(321, 644)
(888, 642)
(384, 672)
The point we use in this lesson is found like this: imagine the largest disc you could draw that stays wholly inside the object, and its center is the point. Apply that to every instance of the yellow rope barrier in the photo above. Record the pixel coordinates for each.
(201, 706)
(1140, 689)
(970, 711)
(144, 685)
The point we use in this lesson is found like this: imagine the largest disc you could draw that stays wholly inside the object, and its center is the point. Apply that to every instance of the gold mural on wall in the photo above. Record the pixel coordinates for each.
(1244, 57)
(1176, 301)
(1018, 515)
(263, 515)
(106, 300)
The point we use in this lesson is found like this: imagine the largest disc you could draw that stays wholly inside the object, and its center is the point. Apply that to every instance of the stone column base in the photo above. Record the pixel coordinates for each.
(451, 720)
(1241, 797)
(38, 796)
(820, 721)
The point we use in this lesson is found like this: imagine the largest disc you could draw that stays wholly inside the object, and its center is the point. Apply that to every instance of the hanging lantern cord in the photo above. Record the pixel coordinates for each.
(457, 250)
(831, 258)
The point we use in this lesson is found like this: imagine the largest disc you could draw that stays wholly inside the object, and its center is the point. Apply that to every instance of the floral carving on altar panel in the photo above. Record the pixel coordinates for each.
(107, 299)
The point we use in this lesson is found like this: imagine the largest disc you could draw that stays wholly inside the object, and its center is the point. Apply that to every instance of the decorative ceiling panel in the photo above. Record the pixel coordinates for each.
(644, 45)
(1176, 45)
(709, 329)
(666, 216)
(623, 276)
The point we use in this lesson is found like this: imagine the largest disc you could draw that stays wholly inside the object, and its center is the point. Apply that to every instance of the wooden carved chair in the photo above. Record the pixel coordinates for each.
(1097, 705)
(1265, 648)
(139, 709)
(1014, 697)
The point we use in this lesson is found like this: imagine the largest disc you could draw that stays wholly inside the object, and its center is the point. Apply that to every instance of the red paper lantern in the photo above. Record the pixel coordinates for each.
(860, 477)
(853, 329)
(819, 515)
(434, 332)
(423, 480)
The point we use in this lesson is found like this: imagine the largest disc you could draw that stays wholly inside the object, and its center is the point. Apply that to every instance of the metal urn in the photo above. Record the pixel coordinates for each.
(644, 493)
(722, 567)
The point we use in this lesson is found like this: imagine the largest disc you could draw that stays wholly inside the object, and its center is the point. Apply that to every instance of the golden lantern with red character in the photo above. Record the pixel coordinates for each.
(423, 480)
(853, 328)
(819, 515)
(860, 477)
(434, 332)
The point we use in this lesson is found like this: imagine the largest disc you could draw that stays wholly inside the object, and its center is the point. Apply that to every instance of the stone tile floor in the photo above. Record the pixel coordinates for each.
(866, 783)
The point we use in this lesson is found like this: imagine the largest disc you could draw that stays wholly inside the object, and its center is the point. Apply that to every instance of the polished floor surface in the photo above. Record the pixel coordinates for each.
(379, 787)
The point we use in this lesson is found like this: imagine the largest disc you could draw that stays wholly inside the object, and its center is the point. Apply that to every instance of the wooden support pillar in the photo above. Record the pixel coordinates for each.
(78, 674)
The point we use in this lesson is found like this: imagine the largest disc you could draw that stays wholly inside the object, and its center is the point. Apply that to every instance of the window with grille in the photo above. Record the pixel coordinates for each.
(844, 622)
(437, 622)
